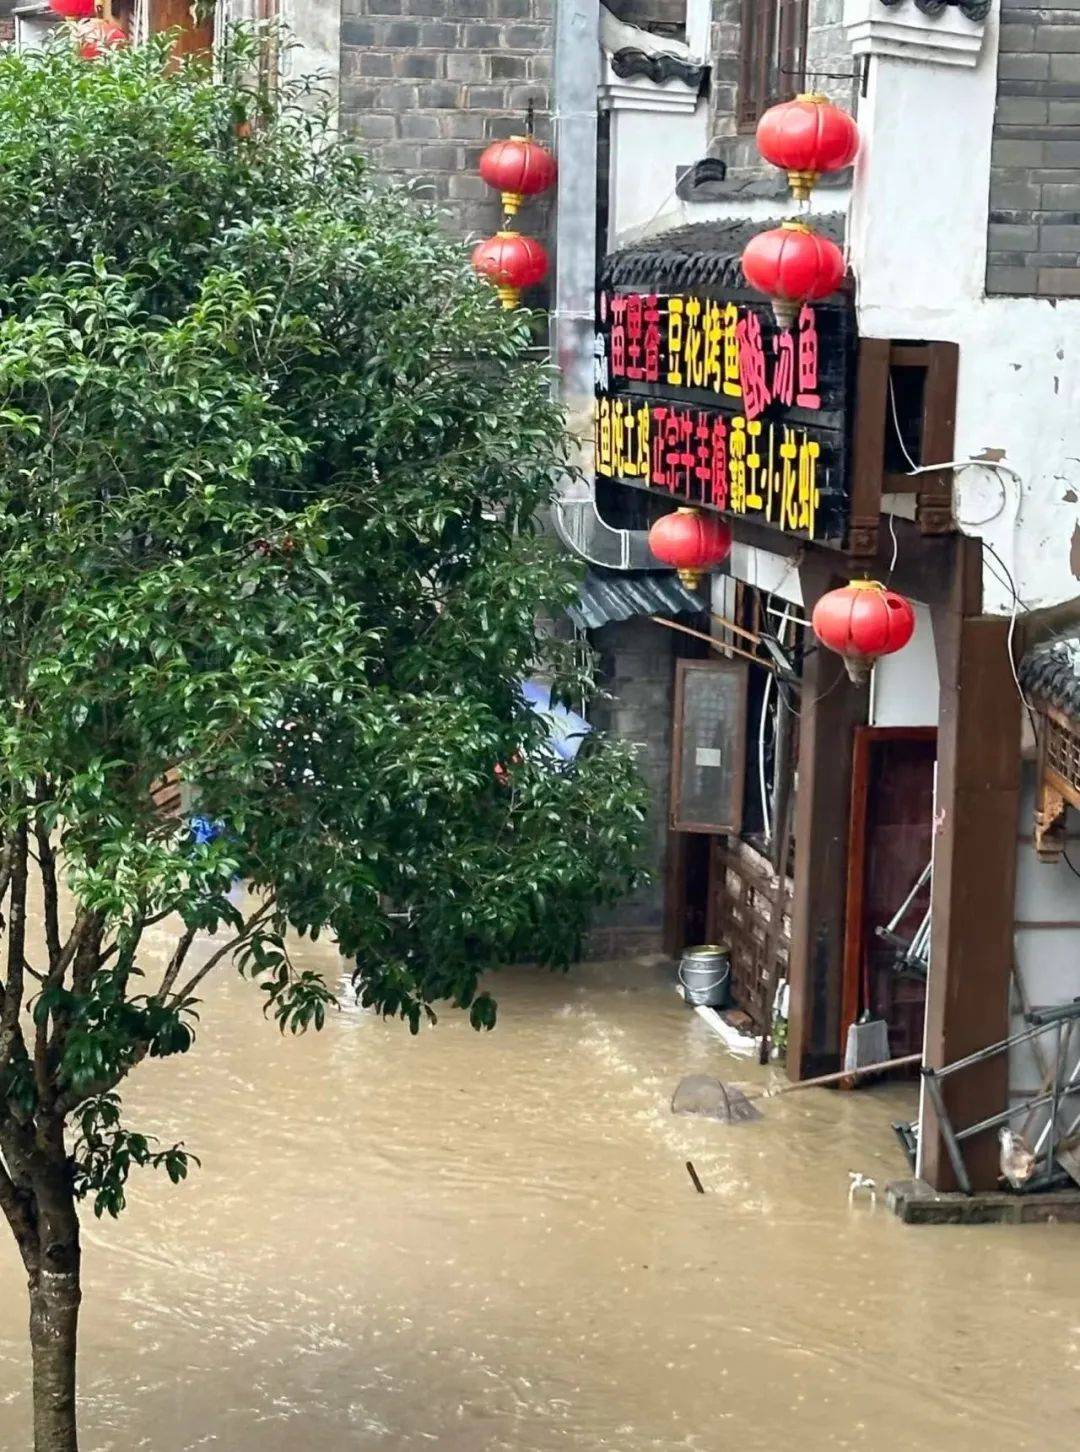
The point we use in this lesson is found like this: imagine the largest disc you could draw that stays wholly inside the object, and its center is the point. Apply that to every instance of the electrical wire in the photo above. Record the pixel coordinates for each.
(996, 465)
(765, 809)
(1001, 469)
(911, 462)
(1017, 605)
(762, 784)
(914, 468)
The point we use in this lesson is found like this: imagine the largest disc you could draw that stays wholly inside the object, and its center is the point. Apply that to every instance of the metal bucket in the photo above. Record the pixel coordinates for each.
(705, 975)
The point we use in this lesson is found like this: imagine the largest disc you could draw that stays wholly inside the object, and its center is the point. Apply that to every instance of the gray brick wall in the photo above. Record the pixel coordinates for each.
(427, 84)
(724, 91)
(637, 670)
(830, 66)
(1034, 231)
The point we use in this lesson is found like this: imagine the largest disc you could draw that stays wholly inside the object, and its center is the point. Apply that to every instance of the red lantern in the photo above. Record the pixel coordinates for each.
(806, 137)
(793, 265)
(512, 262)
(74, 9)
(863, 622)
(518, 168)
(691, 541)
(95, 37)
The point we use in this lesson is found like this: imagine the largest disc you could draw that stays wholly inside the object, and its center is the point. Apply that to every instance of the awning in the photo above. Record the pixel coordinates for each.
(608, 598)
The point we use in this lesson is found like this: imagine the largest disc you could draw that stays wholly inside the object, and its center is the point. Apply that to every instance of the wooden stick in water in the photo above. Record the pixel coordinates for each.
(824, 1079)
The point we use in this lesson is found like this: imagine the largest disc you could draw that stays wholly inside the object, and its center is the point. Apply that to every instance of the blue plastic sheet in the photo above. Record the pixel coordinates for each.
(566, 728)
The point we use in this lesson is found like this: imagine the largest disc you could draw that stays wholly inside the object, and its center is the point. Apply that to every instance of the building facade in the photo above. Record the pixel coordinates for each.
(956, 224)
(905, 846)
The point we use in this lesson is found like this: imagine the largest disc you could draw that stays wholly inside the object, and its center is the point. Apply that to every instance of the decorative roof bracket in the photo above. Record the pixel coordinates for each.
(976, 10)
(935, 32)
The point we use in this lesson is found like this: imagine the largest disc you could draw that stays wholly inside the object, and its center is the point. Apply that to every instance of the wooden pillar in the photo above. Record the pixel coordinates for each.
(978, 803)
(832, 707)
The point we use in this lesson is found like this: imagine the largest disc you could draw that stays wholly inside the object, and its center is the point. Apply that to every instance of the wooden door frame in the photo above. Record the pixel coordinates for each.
(854, 937)
(831, 709)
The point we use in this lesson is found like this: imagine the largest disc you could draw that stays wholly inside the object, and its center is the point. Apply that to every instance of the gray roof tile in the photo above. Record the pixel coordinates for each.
(1050, 674)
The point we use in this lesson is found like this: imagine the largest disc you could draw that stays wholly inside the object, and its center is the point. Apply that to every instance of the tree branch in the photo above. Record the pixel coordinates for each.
(60, 960)
(6, 860)
(19, 1214)
(143, 924)
(47, 864)
(230, 947)
(13, 986)
(172, 972)
(87, 952)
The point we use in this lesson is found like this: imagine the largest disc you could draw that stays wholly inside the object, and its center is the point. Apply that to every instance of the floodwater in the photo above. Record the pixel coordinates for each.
(491, 1244)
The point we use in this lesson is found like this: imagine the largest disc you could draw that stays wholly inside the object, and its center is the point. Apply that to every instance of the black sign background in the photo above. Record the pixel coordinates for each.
(692, 435)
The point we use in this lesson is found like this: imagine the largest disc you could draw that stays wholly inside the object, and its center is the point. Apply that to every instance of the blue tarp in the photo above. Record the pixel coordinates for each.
(568, 730)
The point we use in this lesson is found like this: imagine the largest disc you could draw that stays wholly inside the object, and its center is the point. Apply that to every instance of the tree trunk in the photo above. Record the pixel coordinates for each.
(55, 1295)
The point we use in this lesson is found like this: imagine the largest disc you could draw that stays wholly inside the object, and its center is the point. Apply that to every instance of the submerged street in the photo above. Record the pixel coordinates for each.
(491, 1244)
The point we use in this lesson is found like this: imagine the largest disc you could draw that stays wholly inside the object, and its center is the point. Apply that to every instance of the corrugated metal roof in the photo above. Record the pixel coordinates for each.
(1051, 673)
(607, 598)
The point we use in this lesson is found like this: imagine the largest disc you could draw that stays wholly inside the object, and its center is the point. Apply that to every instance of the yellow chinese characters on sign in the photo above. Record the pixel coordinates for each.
(709, 399)
(756, 469)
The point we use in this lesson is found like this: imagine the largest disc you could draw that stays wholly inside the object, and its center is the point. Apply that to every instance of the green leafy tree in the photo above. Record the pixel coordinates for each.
(271, 465)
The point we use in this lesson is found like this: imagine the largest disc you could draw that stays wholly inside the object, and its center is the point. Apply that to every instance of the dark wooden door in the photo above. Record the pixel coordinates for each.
(890, 843)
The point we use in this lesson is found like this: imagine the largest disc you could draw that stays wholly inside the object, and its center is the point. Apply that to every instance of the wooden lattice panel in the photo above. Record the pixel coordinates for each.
(1059, 782)
(747, 893)
(1063, 756)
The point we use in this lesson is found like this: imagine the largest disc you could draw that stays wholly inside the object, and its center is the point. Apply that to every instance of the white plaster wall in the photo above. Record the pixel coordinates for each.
(904, 688)
(647, 147)
(918, 248)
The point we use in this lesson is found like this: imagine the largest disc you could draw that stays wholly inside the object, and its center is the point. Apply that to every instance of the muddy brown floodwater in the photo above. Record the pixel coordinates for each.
(492, 1243)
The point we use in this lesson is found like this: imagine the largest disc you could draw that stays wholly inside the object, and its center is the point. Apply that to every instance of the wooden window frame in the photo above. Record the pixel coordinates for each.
(759, 85)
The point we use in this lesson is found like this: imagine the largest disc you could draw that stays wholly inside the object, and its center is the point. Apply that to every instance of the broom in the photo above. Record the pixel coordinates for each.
(868, 1037)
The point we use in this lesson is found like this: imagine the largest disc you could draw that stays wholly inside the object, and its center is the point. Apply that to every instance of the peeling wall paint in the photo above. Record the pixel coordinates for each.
(918, 248)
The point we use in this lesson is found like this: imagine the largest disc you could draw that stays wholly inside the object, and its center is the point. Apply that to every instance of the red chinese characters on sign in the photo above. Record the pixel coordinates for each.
(755, 386)
(634, 336)
(808, 395)
(783, 378)
(696, 343)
